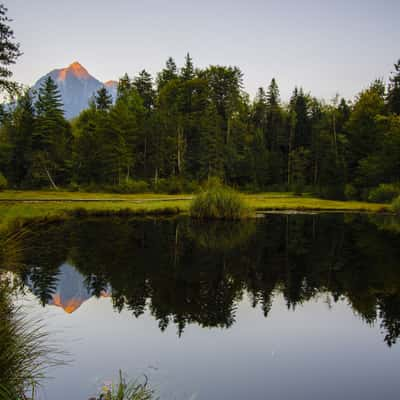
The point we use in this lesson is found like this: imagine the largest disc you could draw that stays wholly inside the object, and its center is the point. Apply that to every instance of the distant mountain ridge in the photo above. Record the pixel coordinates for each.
(77, 87)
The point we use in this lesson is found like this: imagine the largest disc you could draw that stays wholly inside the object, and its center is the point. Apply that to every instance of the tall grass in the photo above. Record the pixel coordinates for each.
(219, 202)
(25, 352)
(127, 391)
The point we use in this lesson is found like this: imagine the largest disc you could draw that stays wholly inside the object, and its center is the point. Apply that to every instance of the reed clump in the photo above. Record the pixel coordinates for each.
(219, 202)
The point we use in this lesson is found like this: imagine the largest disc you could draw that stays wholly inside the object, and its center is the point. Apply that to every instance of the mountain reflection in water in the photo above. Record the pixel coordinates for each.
(71, 290)
(186, 272)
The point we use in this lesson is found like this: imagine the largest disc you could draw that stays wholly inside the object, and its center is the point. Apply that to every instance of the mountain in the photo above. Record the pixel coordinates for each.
(77, 87)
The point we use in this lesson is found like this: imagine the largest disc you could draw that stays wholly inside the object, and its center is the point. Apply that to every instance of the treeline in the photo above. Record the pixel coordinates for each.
(190, 124)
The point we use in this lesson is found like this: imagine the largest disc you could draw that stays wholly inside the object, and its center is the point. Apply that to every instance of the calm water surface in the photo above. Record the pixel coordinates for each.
(282, 307)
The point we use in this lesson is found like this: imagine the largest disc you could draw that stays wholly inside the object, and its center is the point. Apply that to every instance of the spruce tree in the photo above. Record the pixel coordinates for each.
(21, 140)
(169, 73)
(393, 97)
(274, 117)
(103, 99)
(144, 86)
(124, 86)
(187, 72)
(51, 136)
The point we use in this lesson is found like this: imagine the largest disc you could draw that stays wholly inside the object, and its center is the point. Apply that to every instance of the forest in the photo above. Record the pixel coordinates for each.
(171, 132)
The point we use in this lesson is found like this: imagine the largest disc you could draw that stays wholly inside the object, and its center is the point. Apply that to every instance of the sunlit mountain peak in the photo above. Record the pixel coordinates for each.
(76, 69)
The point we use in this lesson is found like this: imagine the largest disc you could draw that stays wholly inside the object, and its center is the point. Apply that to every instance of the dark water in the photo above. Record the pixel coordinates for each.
(283, 307)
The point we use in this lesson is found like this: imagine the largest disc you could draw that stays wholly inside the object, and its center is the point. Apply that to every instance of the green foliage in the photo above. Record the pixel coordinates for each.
(350, 192)
(51, 138)
(396, 205)
(384, 193)
(175, 185)
(9, 52)
(127, 391)
(131, 186)
(393, 97)
(3, 182)
(192, 124)
(25, 353)
(219, 202)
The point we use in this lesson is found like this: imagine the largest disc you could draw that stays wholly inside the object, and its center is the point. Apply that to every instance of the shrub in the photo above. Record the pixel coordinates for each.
(384, 193)
(132, 186)
(350, 192)
(396, 205)
(175, 185)
(335, 192)
(171, 185)
(73, 187)
(219, 202)
(3, 182)
(298, 189)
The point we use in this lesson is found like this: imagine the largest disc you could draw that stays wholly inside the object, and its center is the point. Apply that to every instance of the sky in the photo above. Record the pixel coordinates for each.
(325, 46)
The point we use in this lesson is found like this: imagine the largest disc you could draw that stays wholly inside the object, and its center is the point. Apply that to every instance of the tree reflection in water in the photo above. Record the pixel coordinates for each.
(190, 272)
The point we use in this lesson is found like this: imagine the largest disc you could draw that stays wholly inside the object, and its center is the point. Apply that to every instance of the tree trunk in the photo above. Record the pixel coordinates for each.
(50, 179)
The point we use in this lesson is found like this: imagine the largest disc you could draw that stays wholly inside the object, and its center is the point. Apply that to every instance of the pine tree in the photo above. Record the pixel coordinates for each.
(169, 73)
(144, 86)
(393, 97)
(51, 136)
(103, 99)
(299, 103)
(273, 97)
(9, 52)
(274, 117)
(187, 72)
(124, 86)
(21, 140)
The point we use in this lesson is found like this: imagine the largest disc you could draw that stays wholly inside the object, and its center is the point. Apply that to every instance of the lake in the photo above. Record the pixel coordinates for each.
(279, 307)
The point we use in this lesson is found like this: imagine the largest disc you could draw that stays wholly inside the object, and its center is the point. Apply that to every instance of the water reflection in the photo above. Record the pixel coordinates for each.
(188, 272)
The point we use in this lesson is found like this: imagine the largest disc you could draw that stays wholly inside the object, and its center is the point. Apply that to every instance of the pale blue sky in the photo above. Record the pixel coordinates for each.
(326, 46)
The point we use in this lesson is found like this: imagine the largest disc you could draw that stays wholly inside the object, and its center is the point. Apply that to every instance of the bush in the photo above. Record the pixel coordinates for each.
(350, 192)
(3, 182)
(132, 186)
(396, 205)
(74, 187)
(298, 189)
(175, 185)
(384, 193)
(219, 202)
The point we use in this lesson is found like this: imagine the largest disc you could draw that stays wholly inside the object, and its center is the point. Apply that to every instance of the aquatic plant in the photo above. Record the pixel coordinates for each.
(219, 202)
(127, 390)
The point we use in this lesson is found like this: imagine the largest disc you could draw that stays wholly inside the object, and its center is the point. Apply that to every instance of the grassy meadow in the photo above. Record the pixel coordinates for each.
(31, 204)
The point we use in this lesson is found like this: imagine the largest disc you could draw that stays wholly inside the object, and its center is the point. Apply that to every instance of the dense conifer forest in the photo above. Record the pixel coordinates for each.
(190, 124)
